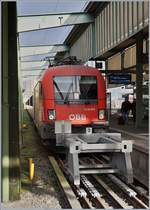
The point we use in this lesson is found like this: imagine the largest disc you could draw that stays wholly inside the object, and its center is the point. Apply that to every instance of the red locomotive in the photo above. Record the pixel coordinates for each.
(70, 92)
(68, 100)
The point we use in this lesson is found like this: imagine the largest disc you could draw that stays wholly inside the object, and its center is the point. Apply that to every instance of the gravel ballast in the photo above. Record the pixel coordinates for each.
(43, 191)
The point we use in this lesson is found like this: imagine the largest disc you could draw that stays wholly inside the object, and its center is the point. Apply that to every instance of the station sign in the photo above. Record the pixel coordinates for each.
(119, 78)
(100, 65)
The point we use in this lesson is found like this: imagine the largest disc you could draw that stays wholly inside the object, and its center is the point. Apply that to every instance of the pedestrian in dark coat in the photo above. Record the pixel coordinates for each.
(125, 108)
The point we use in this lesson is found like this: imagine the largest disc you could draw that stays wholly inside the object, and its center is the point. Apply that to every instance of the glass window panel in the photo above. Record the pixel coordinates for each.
(75, 88)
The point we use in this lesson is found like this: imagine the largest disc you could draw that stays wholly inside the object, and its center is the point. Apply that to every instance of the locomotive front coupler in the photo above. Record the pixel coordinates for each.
(110, 143)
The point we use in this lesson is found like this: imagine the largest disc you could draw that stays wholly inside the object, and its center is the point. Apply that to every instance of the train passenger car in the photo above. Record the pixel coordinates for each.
(70, 92)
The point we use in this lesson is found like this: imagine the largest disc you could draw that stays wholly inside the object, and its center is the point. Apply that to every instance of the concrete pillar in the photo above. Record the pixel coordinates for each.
(139, 81)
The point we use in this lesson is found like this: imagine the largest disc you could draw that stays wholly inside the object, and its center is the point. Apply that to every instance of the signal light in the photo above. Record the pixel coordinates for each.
(51, 114)
(101, 114)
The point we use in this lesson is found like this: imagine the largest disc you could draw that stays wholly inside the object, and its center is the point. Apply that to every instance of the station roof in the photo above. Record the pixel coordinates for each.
(47, 30)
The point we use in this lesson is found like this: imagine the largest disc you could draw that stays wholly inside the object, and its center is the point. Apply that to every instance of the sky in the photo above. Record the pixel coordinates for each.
(36, 7)
(26, 7)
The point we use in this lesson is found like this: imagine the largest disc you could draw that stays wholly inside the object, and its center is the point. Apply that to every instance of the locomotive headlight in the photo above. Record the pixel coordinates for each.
(101, 114)
(51, 114)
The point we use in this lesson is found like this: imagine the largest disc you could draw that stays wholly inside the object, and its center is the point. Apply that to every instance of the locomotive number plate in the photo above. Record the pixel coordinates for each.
(88, 130)
(77, 117)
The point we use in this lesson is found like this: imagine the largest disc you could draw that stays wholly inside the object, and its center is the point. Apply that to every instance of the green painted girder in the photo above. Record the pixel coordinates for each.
(38, 22)
(45, 49)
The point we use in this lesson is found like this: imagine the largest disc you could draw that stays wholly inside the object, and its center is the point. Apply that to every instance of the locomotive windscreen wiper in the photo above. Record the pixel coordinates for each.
(67, 95)
(60, 93)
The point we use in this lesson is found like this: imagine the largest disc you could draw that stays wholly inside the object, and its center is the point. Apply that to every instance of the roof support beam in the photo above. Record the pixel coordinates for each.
(39, 22)
(39, 57)
(38, 50)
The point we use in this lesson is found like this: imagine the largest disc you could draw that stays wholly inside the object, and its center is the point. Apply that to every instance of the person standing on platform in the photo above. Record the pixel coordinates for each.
(125, 108)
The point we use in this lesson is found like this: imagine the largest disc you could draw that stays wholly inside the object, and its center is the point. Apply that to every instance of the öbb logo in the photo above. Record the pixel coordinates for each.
(77, 117)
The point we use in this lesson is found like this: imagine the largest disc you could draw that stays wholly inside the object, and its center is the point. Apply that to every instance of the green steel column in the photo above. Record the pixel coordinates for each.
(14, 151)
(5, 106)
(139, 81)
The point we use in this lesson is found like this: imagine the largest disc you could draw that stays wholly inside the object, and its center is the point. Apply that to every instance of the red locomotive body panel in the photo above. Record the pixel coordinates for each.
(72, 92)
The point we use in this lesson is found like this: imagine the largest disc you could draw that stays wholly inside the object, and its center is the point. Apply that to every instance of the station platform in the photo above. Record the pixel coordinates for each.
(140, 138)
(130, 126)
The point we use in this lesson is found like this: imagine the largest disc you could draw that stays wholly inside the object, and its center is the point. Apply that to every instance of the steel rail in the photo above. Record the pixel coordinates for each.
(71, 197)
(90, 197)
(96, 197)
(119, 200)
(126, 189)
(109, 191)
(80, 193)
(142, 195)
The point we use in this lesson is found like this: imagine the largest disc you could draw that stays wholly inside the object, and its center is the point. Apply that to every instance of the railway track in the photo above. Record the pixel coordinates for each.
(104, 191)
(98, 191)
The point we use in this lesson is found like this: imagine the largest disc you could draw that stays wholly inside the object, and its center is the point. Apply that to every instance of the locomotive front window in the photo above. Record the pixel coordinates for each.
(75, 89)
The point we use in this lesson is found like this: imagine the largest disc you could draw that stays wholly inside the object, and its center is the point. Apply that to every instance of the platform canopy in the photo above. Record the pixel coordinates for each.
(43, 27)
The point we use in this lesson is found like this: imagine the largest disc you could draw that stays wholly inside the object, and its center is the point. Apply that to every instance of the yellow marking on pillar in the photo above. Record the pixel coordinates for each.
(32, 171)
